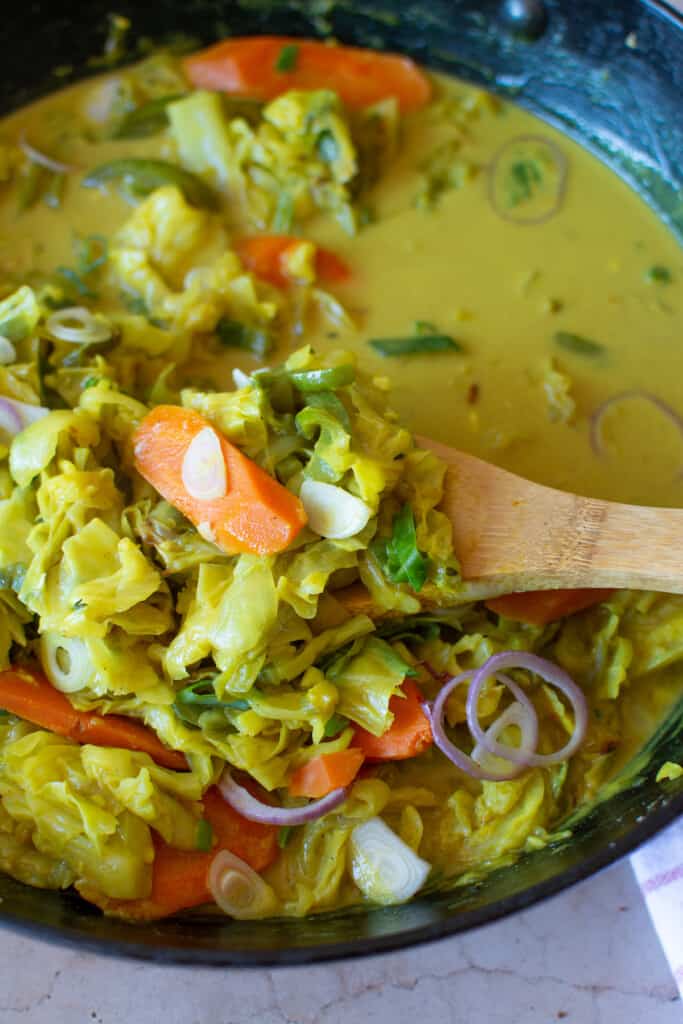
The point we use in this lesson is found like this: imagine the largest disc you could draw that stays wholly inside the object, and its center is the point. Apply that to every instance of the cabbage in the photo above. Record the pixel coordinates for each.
(35, 447)
(92, 808)
(310, 874)
(228, 614)
(19, 314)
(201, 133)
(366, 684)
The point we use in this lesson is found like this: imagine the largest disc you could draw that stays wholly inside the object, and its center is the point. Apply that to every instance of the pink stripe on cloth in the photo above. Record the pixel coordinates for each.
(658, 868)
(662, 879)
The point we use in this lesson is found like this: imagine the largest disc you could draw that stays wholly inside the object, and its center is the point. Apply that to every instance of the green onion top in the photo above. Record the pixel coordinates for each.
(578, 345)
(287, 58)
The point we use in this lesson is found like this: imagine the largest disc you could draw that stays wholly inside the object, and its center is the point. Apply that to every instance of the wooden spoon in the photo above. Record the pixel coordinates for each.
(513, 535)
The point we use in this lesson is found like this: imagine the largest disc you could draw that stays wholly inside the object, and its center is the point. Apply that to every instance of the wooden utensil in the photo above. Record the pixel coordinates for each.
(513, 535)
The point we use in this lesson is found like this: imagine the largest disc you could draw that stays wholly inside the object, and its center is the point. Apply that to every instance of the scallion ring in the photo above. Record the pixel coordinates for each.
(77, 326)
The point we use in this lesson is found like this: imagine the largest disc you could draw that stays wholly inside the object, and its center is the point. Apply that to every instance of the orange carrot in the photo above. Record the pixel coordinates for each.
(266, 256)
(539, 607)
(180, 877)
(262, 67)
(322, 774)
(410, 732)
(32, 697)
(257, 514)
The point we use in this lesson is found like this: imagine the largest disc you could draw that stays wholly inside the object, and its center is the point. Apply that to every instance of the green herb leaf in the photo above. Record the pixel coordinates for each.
(334, 726)
(399, 557)
(658, 275)
(204, 840)
(234, 334)
(419, 344)
(578, 345)
(287, 58)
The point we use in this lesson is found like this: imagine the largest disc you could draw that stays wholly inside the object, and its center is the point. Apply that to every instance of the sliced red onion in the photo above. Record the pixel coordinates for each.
(252, 809)
(459, 758)
(38, 157)
(599, 414)
(514, 714)
(16, 416)
(552, 674)
(561, 163)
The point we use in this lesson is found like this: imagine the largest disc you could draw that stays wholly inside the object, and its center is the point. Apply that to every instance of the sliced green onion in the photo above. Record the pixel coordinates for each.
(66, 661)
(234, 334)
(238, 890)
(149, 119)
(578, 345)
(141, 176)
(418, 344)
(204, 840)
(323, 380)
(287, 58)
(327, 147)
(201, 693)
(658, 275)
(384, 868)
(283, 218)
(77, 326)
(54, 193)
(335, 725)
(284, 835)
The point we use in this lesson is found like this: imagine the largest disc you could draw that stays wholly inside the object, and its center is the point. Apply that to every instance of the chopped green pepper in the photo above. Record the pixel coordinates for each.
(140, 176)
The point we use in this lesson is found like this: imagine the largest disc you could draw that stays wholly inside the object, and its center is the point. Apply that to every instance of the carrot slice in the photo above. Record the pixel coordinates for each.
(32, 697)
(322, 774)
(256, 514)
(539, 607)
(409, 735)
(266, 256)
(180, 877)
(248, 67)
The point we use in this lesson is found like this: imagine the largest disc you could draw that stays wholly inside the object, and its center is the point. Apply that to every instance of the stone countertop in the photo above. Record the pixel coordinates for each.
(588, 956)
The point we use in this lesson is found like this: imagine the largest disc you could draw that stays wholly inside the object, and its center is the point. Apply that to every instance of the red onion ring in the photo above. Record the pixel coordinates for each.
(459, 757)
(252, 809)
(599, 414)
(552, 674)
(561, 164)
(514, 714)
(43, 160)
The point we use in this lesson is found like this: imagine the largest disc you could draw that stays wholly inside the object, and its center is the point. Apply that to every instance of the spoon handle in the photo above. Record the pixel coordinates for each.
(511, 534)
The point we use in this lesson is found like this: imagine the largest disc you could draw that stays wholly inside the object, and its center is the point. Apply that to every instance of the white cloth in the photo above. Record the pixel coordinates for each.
(658, 867)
